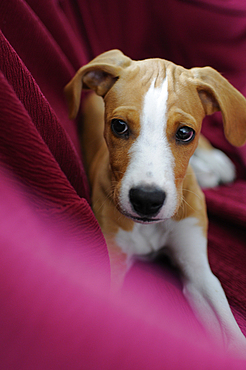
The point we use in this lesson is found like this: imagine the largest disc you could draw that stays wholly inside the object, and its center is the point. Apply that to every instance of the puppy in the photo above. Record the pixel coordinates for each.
(145, 195)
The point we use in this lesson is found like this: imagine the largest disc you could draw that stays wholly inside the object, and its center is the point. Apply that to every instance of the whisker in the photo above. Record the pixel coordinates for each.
(192, 192)
(185, 201)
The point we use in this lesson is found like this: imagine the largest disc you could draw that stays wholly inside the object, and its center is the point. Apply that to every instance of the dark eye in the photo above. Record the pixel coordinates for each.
(120, 128)
(185, 134)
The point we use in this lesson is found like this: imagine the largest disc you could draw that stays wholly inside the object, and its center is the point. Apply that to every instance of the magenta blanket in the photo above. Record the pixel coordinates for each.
(55, 310)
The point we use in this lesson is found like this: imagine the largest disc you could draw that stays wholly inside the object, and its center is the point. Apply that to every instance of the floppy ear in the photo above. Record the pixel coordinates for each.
(99, 75)
(217, 94)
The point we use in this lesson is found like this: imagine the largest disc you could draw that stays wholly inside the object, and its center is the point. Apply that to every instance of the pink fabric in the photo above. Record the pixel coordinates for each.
(55, 309)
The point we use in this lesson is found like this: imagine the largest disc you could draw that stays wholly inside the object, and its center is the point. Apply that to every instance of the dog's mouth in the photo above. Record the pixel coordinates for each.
(142, 219)
(146, 220)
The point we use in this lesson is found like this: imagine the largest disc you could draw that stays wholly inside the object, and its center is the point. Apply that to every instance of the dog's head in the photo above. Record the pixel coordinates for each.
(153, 115)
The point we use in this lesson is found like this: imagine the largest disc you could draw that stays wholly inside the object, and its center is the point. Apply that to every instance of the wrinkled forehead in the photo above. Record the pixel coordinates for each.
(149, 76)
(135, 81)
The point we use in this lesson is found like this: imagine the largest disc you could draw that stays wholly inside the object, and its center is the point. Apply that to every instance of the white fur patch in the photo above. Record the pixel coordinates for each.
(144, 239)
(151, 161)
(182, 237)
(187, 241)
(212, 167)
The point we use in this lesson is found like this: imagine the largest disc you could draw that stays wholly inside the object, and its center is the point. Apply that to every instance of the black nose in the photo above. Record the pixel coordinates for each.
(147, 200)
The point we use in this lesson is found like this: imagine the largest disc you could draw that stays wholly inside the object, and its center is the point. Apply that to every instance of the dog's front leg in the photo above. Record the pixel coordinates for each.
(119, 265)
(188, 248)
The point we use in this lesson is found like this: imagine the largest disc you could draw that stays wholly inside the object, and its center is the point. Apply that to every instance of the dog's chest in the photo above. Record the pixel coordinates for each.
(143, 239)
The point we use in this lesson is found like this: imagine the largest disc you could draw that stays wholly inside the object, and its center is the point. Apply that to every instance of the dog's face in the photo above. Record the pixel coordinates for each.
(153, 115)
(152, 124)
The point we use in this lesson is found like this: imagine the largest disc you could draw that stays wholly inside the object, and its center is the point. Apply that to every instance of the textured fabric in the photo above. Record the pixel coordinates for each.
(55, 309)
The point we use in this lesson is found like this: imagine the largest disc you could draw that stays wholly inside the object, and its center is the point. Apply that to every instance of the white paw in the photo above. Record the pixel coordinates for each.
(212, 167)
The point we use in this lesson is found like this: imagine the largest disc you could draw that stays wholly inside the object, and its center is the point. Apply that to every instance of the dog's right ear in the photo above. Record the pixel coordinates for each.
(217, 94)
(98, 75)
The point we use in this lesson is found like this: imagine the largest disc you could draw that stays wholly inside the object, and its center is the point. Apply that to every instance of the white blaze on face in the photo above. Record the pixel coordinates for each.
(151, 160)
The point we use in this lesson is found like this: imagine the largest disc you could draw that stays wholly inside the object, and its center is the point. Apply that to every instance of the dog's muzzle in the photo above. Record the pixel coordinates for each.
(147, 201)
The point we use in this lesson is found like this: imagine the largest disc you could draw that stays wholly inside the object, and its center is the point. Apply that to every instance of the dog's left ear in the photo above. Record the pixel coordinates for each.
(217, 94)
(98, 75)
